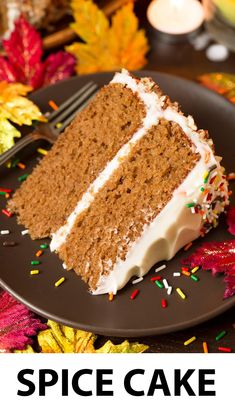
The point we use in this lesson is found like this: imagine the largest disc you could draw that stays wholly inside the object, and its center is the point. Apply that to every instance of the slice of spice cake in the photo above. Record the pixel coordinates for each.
(129, 183)
(50, 194)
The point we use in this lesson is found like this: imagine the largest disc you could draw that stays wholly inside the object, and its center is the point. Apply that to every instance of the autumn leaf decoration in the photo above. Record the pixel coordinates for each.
(24, 59)
(107, 46)
(17, 324)
(16, 108)
(219, 257)
(63, 339)
(222, 83)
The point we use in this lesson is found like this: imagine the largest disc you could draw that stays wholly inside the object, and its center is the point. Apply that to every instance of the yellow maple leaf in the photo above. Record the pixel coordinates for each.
(15, 107)
(91, 24)
(63, 339)
(105, 46)
(124, 347)
(7, 134)
(129, 43)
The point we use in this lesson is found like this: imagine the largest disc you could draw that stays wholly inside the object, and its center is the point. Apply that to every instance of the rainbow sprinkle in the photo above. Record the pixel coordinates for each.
(6, 190)
(206, 176)
(111, 296)
(21, 165)
(195, 278)
(224, 349)
(53, 105)
(134, 282)
(44, 246)
(169, 290)
(160, 268)
(32, 272)
(23, 177)
(190, 205)
(60, 281)
(165, 283)
(181, 293)
(24, 232)
(189, 341)
(159, 284)
(185, 273)
(7, 213)
(205, 347)
(153, 279)
(220, 335)
(134, 294)
(4, 232)
(42, 151)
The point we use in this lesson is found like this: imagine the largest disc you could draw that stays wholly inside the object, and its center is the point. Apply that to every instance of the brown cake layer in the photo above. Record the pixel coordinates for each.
(136, 192)
(51, 192)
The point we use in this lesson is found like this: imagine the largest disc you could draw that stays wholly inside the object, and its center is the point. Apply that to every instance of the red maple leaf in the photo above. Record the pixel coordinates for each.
(7, 72)
(219, 257)
(24, 59)
(58, 66)
(17, 324)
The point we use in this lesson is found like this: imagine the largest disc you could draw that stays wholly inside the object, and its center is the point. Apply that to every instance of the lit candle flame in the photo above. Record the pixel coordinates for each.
(177, 4)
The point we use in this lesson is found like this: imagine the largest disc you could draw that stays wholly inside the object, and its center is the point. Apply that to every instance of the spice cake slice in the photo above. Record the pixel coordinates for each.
(50, 193)
(155, 185)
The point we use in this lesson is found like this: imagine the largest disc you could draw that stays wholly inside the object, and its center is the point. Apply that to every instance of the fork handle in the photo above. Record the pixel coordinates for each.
(30, 138)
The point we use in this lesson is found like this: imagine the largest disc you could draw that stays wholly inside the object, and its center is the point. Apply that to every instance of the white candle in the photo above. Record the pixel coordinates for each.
(175, 17)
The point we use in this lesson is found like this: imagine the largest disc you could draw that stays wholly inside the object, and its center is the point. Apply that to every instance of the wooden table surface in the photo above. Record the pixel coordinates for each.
(181, 59)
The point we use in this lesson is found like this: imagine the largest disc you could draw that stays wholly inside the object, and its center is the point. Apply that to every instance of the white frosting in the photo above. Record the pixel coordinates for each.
(176, 225)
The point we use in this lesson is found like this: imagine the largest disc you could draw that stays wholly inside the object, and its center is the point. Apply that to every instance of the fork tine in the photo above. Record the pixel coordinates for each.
(75, 105)
(69, 101)
(71, 117)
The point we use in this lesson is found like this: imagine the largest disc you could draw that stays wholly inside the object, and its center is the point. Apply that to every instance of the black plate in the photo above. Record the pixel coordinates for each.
(70, 303)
